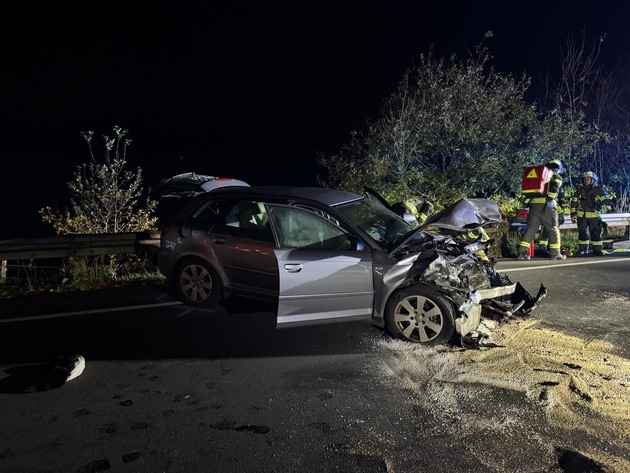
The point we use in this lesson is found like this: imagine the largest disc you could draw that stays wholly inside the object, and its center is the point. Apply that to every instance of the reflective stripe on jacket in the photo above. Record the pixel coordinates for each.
(588, 201)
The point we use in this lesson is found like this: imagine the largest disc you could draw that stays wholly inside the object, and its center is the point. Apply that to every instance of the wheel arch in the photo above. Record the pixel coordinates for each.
(436, 298)
(379, 310)
(196, 257)
(393, 282)
(193, 255)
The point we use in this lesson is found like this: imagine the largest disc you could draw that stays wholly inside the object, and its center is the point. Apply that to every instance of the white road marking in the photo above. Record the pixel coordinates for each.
(562, 265)
(83, 312)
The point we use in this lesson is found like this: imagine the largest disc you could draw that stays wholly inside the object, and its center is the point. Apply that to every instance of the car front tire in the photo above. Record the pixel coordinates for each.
(197, 283)
(419, 314)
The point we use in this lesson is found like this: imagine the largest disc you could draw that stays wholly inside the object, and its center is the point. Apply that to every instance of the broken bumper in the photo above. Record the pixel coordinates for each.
(520, 300)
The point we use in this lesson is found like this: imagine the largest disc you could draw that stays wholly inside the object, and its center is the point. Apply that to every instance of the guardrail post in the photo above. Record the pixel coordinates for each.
(3, 272)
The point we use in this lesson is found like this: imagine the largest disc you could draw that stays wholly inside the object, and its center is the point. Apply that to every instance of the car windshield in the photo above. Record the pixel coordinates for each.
(384, 226)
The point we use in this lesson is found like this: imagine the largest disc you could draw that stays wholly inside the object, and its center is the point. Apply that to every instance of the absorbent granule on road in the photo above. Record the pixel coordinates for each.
(539, 388)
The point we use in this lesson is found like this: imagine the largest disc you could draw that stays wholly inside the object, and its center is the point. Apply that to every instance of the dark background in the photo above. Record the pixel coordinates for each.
(251, 90)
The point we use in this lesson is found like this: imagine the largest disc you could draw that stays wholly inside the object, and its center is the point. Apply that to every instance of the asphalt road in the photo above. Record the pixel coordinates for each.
(168, 388)
(581, 295)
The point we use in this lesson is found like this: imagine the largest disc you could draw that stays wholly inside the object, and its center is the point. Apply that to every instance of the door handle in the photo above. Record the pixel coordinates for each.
(218, 241)
(293, 268)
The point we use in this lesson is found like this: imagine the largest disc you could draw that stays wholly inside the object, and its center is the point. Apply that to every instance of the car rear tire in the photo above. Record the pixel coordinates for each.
(421, 315)
(197, 283)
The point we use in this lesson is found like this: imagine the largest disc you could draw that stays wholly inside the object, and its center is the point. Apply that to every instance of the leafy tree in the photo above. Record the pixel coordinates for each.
(610, 160)
(457, 128)
(105, 199)
(593, 105)
(105, 196)
(452, 128)
(576, 130)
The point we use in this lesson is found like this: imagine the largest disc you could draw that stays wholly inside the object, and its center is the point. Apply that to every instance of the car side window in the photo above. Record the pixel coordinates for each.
(297, 228)
(319, 212)
(209, 211)
(249, 219)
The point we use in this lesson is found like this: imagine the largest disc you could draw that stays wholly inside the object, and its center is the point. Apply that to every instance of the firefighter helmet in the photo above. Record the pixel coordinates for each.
(555, 164)
(589, 174)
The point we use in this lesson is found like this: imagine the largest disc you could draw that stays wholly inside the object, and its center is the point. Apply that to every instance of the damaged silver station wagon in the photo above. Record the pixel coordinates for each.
(323, 255)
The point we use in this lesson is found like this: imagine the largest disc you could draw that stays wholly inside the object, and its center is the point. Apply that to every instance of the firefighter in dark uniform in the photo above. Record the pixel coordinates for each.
(543, 211)
(420, 208)
(543, 238)
(586, 205)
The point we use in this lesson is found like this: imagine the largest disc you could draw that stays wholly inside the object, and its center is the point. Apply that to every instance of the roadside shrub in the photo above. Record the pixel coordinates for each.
(105, 198)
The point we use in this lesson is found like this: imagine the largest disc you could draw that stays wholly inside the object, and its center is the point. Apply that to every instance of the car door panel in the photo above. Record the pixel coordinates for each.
(250, 266)
(322, 285)
(320, 276)
(243, 244)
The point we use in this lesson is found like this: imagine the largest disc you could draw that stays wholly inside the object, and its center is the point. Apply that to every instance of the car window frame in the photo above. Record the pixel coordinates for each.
(318, 214)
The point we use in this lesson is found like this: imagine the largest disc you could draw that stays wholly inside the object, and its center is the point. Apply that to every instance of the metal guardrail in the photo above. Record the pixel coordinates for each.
(78, 245)
(612, 220)
(148, 242)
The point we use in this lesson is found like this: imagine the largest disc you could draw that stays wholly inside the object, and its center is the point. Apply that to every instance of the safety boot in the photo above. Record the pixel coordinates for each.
(557, 257)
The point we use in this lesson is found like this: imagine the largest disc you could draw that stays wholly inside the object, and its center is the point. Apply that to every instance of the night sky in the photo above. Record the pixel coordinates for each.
(251, 90)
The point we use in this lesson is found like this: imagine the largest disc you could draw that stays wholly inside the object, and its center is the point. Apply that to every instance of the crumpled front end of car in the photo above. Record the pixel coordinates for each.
(477, 290)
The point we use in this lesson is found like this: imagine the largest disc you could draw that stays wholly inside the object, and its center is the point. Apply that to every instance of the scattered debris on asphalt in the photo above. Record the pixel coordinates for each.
(542, 387)
(64, 369)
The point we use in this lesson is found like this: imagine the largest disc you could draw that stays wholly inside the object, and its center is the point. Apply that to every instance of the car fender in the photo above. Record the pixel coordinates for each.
(211, 261)
(402, 274)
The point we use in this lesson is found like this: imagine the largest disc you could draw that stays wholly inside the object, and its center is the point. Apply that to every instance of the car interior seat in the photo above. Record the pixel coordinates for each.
(253, 215)
(247, 215)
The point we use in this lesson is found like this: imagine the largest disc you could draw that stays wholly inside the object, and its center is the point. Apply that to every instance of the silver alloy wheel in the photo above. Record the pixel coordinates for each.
(420, 313)
(418, 318)
(196, 283)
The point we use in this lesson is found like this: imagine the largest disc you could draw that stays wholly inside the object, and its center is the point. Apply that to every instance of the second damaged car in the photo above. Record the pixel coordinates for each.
(324, 255)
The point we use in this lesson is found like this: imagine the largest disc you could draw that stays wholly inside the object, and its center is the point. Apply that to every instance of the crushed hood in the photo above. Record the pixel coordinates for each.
(466, 214)
(462, 216)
